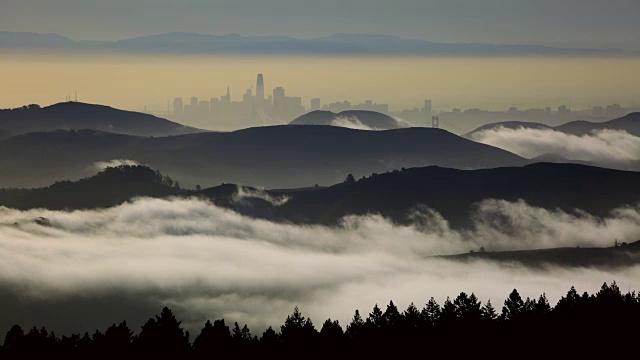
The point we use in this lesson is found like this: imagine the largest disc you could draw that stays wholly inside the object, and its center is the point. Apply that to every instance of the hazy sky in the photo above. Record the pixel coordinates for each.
(132, 82)
(579, 23)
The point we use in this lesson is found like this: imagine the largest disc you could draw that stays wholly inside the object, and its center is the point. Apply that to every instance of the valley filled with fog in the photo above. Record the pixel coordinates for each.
(208, 262)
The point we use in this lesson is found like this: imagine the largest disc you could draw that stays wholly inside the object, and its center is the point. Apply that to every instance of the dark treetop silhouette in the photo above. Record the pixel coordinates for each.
(578, 324)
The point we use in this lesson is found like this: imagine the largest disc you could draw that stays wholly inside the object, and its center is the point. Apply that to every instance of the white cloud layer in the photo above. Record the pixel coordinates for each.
(101, 165)
(599, 146)
(208, 262)
(353, 122)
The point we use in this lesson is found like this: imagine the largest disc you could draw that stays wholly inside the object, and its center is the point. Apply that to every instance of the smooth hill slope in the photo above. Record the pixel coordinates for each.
(350, 118)
(509, 125)
(284, 156)
(75, 115)
(629, 123)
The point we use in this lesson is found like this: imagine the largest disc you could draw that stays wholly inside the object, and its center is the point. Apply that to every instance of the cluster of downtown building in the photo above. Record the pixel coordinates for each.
(277, 108)
(256, 109)
(252, 110)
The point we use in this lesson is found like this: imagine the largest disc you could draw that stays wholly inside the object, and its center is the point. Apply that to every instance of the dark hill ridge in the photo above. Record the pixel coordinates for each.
(599, 257)
(110, 187)
(453, 193)
(629, 123)
(371, 119)
(76, 115)
(285, 156)
(394, 195)
(509, 125)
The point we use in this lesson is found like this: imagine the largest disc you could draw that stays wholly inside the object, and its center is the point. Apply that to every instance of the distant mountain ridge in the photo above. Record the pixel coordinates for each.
(27, 40)
(333, 44)
(76, 115)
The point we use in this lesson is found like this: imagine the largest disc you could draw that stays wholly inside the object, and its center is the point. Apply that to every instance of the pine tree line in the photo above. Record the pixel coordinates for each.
(577, 324)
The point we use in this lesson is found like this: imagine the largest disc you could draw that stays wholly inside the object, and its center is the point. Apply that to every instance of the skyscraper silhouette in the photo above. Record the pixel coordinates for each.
(177, 107)
(260, 92)
(278, 102)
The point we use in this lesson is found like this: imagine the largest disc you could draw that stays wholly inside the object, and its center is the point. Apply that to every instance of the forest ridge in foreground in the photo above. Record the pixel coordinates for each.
(577, 324)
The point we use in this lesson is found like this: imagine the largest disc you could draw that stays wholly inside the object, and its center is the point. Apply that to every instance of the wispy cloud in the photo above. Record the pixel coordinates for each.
(244, 193)
(101, 165)
(353, 122)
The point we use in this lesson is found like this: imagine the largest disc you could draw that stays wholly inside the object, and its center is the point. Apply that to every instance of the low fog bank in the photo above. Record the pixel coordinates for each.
(90, 268)
(353, 122)
(606, 147)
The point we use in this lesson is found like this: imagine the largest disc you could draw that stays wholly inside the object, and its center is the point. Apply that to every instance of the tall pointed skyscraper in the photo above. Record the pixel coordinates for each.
(260, 92)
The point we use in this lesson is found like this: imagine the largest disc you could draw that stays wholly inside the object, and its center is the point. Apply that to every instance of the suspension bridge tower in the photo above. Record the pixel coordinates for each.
(435, 122)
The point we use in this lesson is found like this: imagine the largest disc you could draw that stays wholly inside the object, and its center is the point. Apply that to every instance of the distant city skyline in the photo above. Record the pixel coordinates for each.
(490, 83)
(279, 108)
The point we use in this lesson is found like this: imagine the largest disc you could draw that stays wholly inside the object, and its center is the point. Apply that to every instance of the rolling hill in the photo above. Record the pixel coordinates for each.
(453, 193)
(395, 195)
(629, 123)
(75, 115)
(110, 187)
(284, 156)
(362, 119)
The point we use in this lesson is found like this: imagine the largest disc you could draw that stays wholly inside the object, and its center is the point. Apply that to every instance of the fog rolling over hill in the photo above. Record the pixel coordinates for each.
(356, 119)
(76, 115)
(462, 198)
(629, 123)
(84, 268)
(285, 156)
(614, 144)
(457, 195)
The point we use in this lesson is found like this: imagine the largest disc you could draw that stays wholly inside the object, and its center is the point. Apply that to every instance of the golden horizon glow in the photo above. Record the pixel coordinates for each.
(134, 81)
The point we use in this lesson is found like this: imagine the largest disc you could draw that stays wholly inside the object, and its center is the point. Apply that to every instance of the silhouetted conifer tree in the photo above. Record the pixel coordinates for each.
(411, 317)
(431, 312)
(542, 307)
(391, 316)
(356, 327)
(297, 329)
(489, 312)
(448, 314)
(163, 335)
(513, 306)
(212, 339)
(331, 331)
(376, 317)
(14, 339)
